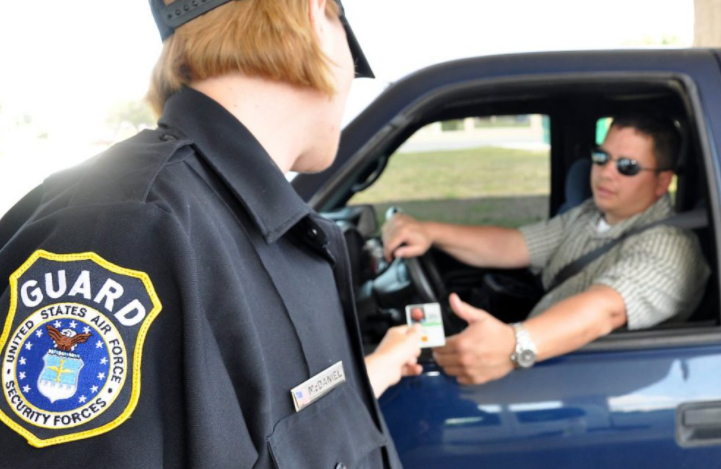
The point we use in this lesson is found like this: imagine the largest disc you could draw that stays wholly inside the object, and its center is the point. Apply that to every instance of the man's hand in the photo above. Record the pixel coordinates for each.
(408, 232)
(482, 352)
(479, 246)
(396, 356)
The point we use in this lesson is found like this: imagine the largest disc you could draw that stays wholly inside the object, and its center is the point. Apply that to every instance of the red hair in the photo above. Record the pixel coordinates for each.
(272, 39)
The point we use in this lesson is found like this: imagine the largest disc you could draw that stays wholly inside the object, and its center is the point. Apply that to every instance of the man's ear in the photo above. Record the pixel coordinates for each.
(316, 15)
(663, 181)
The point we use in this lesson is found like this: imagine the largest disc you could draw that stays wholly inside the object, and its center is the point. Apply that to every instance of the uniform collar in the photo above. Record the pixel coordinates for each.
(239, 159)
(659, 210)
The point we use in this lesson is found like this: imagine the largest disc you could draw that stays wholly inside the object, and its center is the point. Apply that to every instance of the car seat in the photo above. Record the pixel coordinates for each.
(578, 184)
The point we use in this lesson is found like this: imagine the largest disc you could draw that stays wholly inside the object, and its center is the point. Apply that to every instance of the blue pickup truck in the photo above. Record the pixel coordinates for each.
(648, 398)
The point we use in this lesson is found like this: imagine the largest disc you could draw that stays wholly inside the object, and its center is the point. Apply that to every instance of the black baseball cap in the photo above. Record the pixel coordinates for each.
(172, 16)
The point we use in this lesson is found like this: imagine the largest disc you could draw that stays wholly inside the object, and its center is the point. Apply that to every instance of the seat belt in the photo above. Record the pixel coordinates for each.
(691, 220)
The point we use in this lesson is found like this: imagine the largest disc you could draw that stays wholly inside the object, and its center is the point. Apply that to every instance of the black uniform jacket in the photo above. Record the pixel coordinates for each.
(160, 301)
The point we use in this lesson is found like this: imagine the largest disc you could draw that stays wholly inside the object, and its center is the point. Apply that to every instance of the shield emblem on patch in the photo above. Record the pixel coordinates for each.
(72, 346)
(59, 378)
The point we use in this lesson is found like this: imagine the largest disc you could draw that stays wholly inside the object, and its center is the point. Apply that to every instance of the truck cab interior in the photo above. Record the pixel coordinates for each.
(574, 107)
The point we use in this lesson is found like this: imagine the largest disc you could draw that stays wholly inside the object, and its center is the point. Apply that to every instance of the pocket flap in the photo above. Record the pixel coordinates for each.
(335, 429)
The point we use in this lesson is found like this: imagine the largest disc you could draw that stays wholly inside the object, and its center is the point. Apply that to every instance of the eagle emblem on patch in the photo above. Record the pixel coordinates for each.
(71, 346)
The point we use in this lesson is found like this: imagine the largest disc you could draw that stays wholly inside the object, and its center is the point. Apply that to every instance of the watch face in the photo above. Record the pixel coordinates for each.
(526, 359)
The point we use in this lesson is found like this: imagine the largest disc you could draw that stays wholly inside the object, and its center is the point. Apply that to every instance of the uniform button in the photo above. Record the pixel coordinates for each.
(312, 232)
(168, 137)
(340, 465)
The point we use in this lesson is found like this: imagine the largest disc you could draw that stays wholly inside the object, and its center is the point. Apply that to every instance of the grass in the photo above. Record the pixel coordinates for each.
(511, 212)
(505, 187)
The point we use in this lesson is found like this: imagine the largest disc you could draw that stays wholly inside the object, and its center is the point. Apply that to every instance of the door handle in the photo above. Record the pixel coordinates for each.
(698, 424)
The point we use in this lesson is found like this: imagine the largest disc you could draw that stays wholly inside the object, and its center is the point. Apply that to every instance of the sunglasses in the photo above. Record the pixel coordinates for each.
(625, 166)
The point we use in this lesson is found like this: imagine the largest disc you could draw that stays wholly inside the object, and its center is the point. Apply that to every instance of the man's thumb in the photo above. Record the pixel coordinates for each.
(465, 311)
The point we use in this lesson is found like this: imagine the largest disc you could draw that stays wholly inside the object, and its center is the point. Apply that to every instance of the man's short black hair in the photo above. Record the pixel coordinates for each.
(662, 129)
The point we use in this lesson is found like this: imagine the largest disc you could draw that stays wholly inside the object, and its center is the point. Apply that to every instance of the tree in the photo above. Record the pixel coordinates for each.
(134, 114)
(663, 40)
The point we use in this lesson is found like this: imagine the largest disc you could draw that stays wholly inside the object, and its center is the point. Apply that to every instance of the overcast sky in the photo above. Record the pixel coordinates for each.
(65, 64)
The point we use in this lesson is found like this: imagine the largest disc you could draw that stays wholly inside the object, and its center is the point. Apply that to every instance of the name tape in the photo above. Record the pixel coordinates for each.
(318, 386)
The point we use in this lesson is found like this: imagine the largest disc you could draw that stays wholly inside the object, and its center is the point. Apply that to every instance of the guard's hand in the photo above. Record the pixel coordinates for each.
(482, 352)
(396, 356)
(404, 236)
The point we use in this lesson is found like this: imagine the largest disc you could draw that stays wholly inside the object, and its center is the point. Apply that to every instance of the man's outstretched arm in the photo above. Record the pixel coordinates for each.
(482, 352)
(480, 246)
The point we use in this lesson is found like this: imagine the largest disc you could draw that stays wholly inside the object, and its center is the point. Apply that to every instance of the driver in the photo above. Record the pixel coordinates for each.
(651, 277)
(212, 307)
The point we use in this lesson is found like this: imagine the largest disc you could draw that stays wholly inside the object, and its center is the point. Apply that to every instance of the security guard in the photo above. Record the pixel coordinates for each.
(173, 302)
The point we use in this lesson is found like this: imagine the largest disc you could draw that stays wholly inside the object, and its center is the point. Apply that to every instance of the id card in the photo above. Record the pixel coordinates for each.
(429, 317)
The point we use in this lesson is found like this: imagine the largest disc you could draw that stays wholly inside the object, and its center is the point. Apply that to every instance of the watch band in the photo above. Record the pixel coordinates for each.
(525, 354)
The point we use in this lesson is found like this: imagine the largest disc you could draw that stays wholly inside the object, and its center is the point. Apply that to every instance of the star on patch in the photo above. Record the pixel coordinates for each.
(101, 375)
(29, 346)
(94, 389)
(57, 324)
(99, 344)
(26, 389)
(82, 399)
(22, 375)
(39, 333)
(86, 329)
(22, 360)
(73, 324)
(104, 361)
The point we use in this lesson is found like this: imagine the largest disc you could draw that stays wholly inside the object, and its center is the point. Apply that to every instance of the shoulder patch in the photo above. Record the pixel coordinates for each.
(72, 345)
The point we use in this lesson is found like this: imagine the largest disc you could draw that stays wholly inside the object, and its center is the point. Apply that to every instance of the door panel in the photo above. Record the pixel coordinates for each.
(590, 410)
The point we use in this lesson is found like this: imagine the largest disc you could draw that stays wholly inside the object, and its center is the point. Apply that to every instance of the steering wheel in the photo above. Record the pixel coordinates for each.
(428, 284)
(425, 278)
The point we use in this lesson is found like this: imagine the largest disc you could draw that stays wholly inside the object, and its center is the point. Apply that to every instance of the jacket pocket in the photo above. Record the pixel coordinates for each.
(337, 430)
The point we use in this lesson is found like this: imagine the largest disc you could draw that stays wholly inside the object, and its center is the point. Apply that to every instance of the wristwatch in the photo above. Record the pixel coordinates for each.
(525, 355)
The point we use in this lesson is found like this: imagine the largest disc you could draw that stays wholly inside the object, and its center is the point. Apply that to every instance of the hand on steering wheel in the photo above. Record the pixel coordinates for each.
(405, 239)
(403, 236)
